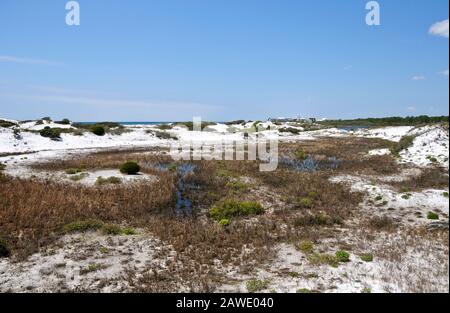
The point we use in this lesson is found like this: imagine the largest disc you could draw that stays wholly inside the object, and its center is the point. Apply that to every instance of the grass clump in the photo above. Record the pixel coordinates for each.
(323, 259)
(300, 155)
(342, 256)
(82, 226)
(319, 219)
(4, 249)
(432, 216)
(78, 177)
(116, 230)
(231, 208)
(73, 171)
(130, 168)
(404, 143)
(111, 229)
(444, 194)
(91, 268)
(107, 181)
(255, 285)
(224, 222)
(306, 247)
(304, 290)
(237, 186)
(305, 203)
(367, 257)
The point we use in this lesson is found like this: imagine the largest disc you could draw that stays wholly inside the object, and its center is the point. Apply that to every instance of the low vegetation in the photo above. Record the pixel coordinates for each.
(231, 208)
(4, 249)
(52, 133)
(130, 168)
(108, 181)
(256, 285)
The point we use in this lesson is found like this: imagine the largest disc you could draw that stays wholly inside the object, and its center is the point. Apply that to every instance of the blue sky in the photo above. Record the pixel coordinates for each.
(166, 60)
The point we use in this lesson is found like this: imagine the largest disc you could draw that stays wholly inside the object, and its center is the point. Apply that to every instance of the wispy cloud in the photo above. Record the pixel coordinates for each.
(91, 98)
(13, 59)
(411, 108)
(445, 73)
(418, 77)
(440, 29)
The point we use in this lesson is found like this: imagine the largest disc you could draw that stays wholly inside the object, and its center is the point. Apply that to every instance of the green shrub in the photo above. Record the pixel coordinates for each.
(110, 180)
(404, 143)
(305, 203)
(255, 285)
(4, 249)
(378, 198)
(129, 231)
(231, 208)
(111, 229)
(224, 222)
(162, 135)
(98, 130)
(78, 177)
(366, 290)
(444, 194)
(367, 257)
(73, 171)
(237, 186)
(300, 155)
(342, 256)
(82, 226)
(432, 216)
(91, 268)
(322, 259)
(64, 121)
(306, 247)
(304, 290)
(52, 133)
(291, 130)
(130, 168)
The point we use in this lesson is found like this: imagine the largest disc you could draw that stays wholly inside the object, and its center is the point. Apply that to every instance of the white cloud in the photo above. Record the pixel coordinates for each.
(418, 77)
(445, 73)
(13, 59)
(440, 29)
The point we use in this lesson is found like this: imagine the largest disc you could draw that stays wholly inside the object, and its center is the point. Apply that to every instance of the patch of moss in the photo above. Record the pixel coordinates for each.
(255, 285)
